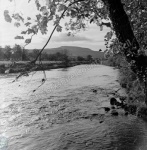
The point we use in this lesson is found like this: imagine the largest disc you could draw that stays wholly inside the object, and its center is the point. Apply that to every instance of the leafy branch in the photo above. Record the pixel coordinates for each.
(62, 15)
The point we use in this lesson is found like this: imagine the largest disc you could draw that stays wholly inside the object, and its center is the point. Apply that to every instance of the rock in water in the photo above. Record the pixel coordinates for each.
(106, 109)
(94, 91)
(113, 101)
(114, 113)
(126, 113)
(112, 107)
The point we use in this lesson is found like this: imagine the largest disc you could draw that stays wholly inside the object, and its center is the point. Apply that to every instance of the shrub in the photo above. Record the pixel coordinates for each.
(134, 87)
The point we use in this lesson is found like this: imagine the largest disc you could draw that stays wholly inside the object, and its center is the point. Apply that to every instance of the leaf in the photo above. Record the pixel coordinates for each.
(49, 3)
(17, 24)
(34, 27)
(18, 17)
(38, 17)
(30, 31)
(59, 28)
(53, 10)
(28, 18)
(42, 8)
(19, 37)
(28, 41)
(61, 7)
(73, 12)
(101, 28)
(91, 20)
(69, 34)
(27, 24)
(23, 32)
(37, 4)
(43, 25)
(7, 16)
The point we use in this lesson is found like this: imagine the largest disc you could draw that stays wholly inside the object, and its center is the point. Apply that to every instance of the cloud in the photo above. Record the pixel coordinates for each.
(64, 38)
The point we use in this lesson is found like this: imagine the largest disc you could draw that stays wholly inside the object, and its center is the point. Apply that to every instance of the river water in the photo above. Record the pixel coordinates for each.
(65, 114)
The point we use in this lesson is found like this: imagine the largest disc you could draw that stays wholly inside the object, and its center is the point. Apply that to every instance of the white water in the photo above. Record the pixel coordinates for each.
(59, 115)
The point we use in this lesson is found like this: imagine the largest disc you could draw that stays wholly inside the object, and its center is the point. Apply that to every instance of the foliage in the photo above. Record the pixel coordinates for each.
(17, 53)
(8, 52)
(89, 58)
(80, 13)
(128, 79)
(79, 58)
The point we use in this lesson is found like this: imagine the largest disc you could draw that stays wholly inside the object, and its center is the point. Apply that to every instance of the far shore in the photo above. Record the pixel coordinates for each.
(20, 66)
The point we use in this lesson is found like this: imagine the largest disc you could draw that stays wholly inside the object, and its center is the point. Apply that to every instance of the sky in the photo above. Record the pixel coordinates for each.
(92, 38)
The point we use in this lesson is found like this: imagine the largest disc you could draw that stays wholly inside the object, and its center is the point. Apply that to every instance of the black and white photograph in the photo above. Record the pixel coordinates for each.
(73, 74)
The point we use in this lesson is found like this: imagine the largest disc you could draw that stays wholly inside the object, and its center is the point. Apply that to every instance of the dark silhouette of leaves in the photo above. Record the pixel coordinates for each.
(27, 41)
(59, 28)
(61, 7)
(38, 17)
(28, 18)
(37, 4)
(16, 24)
(17, 17)
(27, 24)
(29, 31)
(7, 16)
(19, 37)
(23, 32)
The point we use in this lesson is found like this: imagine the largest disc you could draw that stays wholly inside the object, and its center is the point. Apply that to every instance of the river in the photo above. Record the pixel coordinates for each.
(65, 114)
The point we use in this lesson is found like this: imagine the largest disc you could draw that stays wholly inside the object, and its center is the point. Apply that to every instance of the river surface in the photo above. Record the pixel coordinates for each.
(65, 114)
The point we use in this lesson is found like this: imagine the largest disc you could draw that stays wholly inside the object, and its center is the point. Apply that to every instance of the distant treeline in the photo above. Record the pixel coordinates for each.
(17, 53)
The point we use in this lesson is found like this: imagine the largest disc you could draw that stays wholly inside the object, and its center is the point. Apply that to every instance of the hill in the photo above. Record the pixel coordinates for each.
(76, 51)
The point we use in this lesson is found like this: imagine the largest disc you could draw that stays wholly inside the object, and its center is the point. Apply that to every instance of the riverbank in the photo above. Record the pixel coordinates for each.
(135, 101)
(17, 67)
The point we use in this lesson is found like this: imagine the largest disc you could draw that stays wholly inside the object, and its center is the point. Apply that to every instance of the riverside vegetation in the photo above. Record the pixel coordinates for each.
(135, 100)
(15, 59)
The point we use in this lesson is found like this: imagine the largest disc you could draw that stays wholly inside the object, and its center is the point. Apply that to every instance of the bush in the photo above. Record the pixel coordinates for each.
(134, 87)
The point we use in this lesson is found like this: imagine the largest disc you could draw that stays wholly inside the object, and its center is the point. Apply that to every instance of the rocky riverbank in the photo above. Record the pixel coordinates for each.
(120, 103)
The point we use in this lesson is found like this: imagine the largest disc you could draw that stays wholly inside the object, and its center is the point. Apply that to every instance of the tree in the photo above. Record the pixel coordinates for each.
(7, 52)
(79, 58)
(44, 56)
(17, 52)
(94, 11)
(89, 58)
(1, 54)
(65, 58)
(33, 54)
(124, 33)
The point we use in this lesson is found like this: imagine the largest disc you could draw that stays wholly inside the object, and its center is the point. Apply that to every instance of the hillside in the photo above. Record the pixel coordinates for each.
(76, 51)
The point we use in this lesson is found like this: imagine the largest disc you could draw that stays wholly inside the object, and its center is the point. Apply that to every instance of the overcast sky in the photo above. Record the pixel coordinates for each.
(92, 38)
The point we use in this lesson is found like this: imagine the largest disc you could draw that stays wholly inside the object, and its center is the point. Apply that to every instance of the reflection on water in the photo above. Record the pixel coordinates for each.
(64, 113)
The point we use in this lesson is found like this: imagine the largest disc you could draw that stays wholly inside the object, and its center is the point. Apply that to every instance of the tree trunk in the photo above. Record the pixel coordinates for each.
(145, 91)
(121, 24)
(124, 33)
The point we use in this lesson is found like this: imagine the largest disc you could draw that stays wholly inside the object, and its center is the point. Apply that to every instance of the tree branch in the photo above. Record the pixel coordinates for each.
(54, 30)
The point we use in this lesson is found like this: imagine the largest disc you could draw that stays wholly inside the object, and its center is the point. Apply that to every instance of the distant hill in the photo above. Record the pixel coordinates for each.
(76, 51)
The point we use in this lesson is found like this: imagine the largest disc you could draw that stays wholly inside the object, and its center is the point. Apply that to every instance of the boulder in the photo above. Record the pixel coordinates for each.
(113, 101)
(106, 109)
(114, 113)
